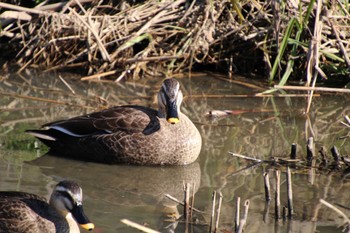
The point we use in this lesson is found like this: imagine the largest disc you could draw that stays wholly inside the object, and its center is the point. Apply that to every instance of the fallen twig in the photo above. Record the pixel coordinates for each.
(138, 226)
(67, 84)
(246, 157)
(326, 89)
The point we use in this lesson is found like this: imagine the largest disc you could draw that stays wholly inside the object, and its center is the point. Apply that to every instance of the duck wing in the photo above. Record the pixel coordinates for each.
(20, 196)
(23, 212)
(130, 119)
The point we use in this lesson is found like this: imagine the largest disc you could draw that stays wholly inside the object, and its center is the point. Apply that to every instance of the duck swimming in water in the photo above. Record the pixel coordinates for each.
(29, 213)
(129, 134)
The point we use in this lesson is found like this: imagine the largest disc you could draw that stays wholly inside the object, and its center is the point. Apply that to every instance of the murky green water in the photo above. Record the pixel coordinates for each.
(264, 127)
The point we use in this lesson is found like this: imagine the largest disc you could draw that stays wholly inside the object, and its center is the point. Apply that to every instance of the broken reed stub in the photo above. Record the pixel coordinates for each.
(293, 151)
(310, 149)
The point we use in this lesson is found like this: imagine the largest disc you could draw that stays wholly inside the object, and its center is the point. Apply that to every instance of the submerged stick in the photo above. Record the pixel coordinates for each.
(289, 194)
(310, 149)
(266, 212)
(336, 157)
(277, 195)
(245, 217)
(335, 154)
(192, 203)
(250, 166)
(293, 151)
(293, 154)
(186, 201)
(238, 203)
(267, 186)
(312, 171)
(180, 202)
(284, 212)
(341, 213)
(323, 154)
(347, 119)
(213, 199)
(218, 213)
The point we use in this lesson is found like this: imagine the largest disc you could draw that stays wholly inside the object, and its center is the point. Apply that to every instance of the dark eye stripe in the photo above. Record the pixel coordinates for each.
(69, 197)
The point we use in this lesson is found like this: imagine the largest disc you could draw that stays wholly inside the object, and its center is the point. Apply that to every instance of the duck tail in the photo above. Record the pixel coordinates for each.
(44, 135)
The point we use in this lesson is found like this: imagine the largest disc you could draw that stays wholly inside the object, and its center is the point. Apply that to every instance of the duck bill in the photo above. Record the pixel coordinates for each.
(81, 218)
(172, 113)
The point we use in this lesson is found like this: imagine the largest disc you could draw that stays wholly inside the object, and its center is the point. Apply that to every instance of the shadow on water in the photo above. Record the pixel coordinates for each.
(260, 127)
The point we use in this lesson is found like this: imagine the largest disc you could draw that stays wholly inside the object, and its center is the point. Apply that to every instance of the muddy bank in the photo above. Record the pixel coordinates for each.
(121, 39)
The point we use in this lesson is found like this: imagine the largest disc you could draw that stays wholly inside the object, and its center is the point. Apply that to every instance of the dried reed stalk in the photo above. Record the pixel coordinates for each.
(267, 186)
(160, 37)
(278, 195)
(216, 229)
(290, 194)
(212, 217)
(245, 217)
(237, 214)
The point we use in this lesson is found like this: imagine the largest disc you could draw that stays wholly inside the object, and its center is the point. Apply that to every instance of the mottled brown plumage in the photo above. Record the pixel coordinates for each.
(129, 134)
(28, 213)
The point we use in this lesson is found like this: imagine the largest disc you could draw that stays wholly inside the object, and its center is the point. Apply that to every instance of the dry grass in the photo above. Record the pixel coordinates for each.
(267, 38)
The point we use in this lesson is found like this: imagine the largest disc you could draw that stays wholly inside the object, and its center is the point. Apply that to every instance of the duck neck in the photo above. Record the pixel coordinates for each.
(73, 226)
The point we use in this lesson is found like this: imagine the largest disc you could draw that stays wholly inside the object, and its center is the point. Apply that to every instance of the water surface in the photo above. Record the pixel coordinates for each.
(261, 127)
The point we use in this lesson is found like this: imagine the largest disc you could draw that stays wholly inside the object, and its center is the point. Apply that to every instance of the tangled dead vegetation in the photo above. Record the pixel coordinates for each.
(128, 39)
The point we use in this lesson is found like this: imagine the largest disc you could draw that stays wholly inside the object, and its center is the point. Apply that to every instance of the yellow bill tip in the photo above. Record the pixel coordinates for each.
(173, 120)
(88, 226)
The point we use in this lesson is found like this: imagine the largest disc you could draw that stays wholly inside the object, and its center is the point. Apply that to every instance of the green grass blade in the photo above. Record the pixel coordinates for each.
(282, 49)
